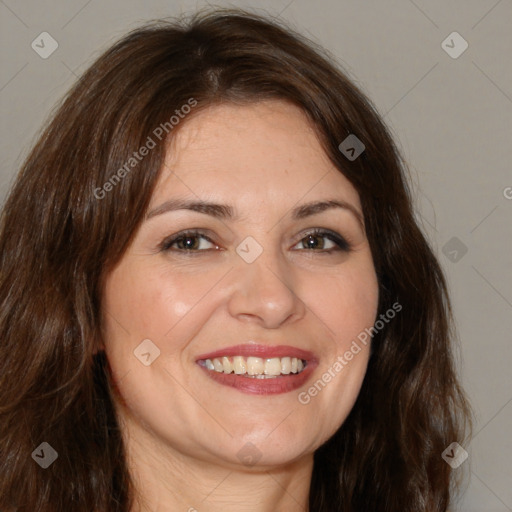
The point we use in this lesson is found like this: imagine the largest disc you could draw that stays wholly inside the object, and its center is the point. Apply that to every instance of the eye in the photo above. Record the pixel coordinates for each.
(188, 241)
(195, 241)
(323, 240)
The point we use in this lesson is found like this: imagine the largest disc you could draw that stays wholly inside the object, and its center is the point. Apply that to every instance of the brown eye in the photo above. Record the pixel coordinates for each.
(324, 241)
(190, 241)
(313, 242)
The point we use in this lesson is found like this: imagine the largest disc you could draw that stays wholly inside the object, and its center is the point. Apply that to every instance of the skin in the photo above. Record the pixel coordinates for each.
(183, 431)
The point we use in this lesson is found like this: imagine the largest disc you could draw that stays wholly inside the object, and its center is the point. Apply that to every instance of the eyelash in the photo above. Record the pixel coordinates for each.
(341, 242)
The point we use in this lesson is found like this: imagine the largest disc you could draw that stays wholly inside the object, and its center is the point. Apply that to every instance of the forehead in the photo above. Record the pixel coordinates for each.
(261, 150)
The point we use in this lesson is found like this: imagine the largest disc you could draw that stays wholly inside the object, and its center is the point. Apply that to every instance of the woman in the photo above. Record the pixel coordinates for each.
(214, 292)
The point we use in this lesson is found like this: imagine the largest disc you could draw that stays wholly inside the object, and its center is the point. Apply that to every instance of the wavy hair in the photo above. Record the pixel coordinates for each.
(59, 238)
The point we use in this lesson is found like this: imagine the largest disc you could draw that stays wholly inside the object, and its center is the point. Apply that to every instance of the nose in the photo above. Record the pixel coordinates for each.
(263, 293)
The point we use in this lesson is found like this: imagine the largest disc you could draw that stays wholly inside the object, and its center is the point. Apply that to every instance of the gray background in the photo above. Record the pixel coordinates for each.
(452, 118)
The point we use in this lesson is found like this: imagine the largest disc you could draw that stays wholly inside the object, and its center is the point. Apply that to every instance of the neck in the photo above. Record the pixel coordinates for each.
(167, 480)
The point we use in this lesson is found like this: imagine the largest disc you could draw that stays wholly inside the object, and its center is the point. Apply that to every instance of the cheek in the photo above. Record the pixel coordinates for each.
(346, 304)
(153, 304)
(149, 303)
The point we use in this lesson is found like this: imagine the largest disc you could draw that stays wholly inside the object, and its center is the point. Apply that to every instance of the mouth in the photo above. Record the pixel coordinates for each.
(259, 369)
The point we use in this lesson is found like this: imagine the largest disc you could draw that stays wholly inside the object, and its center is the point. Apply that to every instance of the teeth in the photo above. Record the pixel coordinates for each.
(273, 366)
(256, 367)
(217, 365)
(239, 365)
(226, 363)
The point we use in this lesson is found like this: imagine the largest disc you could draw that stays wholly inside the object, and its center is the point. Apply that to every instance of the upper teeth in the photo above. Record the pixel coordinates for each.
(255, 366)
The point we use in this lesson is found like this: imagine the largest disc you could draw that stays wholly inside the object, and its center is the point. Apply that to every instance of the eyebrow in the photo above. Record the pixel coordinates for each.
(226, 212)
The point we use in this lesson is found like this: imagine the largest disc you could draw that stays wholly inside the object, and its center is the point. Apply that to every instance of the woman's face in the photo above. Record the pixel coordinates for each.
(253, 292)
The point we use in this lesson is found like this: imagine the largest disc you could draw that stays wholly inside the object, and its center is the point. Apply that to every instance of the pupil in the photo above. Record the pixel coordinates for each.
(312, 243)
(189, 242)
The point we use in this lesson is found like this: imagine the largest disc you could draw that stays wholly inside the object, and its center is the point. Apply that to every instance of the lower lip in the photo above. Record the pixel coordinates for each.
(272, 386)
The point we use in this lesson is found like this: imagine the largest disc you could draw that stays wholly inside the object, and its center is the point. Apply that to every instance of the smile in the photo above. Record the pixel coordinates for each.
(255, 367)
(259, 369)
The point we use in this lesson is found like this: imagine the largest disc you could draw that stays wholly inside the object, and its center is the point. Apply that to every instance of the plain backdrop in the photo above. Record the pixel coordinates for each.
(450, 112)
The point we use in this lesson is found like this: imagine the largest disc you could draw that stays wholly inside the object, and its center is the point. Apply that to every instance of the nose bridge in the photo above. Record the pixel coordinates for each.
(264, 288)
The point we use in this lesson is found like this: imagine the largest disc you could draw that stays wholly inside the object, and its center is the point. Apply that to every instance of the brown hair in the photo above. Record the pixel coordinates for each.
(59, 238)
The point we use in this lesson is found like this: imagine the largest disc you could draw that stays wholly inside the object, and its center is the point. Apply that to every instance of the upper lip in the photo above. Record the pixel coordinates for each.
(263, 351)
